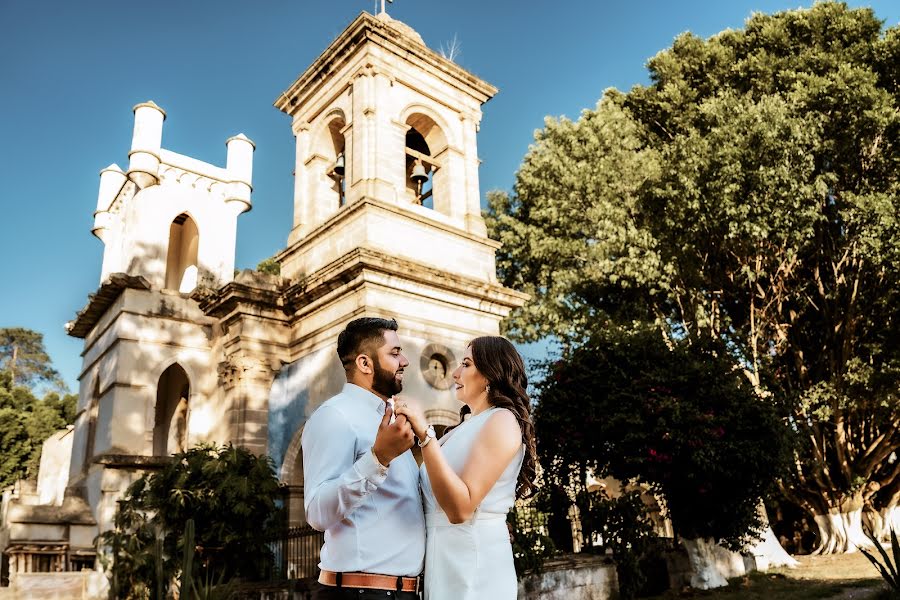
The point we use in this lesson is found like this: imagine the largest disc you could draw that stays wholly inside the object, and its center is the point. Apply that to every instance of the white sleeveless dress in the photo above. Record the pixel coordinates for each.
(472, 560)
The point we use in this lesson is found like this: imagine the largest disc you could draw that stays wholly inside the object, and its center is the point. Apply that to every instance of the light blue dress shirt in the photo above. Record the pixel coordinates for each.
(372, 517)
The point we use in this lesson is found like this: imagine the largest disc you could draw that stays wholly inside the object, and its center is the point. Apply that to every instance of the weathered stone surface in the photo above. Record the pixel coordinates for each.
(573, 577)
(80, 585)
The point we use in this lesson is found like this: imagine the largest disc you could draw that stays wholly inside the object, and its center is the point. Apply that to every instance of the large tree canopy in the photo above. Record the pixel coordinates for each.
(23, 355)
(748, 194)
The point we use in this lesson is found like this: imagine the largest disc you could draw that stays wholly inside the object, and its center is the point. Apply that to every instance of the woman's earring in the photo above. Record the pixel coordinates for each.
(487, 388)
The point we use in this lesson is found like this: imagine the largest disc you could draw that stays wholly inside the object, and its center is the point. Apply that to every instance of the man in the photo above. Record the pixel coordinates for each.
(361, 482)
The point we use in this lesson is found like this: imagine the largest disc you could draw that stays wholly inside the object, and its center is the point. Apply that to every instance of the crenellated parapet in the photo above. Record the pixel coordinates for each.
(172, 218)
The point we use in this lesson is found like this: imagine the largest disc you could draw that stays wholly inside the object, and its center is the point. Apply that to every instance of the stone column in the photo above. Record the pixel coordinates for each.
(301, 183)
(247, 381)
(474, 220)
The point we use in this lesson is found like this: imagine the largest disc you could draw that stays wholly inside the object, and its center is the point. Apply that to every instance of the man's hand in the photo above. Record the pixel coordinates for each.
(392, 439)
(412, 410)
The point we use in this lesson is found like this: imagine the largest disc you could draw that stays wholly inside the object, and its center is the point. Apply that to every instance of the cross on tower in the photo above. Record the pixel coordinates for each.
(382, 4)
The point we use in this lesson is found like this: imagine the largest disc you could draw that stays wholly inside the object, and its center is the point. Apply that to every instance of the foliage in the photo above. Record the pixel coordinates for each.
(192, 588)
(624, 527)
(748, 194)
(887, 569)
(25, 423)
(229, 495)
(530, 546)
(682, 420)
(270, 266)
(22, 354)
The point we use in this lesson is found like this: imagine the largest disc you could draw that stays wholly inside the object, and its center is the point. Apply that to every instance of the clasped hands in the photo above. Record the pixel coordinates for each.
(393, 439)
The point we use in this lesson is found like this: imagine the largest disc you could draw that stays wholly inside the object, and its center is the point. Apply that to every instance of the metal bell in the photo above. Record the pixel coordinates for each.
(339, 165)
(419, 174)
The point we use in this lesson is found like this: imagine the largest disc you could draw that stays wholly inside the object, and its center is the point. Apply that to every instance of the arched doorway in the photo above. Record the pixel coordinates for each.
(170, 413)
(292, 475)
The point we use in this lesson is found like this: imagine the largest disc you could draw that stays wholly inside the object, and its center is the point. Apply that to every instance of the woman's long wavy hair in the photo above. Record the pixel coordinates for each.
(499, 362)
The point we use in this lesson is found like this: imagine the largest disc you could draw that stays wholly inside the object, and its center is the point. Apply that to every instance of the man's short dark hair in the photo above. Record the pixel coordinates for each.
(360, 335)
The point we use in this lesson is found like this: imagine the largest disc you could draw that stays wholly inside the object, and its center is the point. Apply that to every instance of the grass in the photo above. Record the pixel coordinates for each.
(840, 577)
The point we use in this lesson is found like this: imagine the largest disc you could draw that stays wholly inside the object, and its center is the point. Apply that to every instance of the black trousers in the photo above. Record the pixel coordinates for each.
(330, 592)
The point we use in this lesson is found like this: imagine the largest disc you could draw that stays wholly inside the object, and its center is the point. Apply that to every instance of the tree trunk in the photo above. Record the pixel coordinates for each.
(890, 516)
(768, 552)
(840, 532)
(873, 521)
(856, 539)
(711, 563)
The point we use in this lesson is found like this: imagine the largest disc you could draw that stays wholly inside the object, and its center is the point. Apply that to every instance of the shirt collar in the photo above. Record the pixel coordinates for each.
(364, 396)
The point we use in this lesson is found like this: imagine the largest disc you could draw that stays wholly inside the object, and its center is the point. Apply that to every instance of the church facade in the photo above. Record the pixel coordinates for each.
(179, 350)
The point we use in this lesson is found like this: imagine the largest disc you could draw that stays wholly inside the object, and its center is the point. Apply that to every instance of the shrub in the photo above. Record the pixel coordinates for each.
(227, 492)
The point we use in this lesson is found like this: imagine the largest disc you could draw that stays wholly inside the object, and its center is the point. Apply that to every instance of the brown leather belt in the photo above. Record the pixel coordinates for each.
(370, 581)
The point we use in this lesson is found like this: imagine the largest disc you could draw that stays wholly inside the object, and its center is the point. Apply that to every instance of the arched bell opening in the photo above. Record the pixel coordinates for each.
(418, 170)
(424, 139)
(171, 412)
(181, 261)
(329, 165)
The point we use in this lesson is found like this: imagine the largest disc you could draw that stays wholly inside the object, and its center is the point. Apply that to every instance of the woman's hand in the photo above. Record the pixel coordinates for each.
(413, 413)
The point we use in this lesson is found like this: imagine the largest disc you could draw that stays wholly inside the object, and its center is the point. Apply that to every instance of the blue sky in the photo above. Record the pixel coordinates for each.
(71, 71)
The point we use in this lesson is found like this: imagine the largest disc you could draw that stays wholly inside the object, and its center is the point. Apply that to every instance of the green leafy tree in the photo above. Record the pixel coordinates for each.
(230, 496)
(749, 195)
(270, 266)
(22, 354)
(25, 423)
(681, 420)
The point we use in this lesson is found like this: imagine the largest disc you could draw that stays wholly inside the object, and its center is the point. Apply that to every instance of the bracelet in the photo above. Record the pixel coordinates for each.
(428, 439)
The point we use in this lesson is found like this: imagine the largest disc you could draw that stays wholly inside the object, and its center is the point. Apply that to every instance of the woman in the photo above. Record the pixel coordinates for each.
(471, 477)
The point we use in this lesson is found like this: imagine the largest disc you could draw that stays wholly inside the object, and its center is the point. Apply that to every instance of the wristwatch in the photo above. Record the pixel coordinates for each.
(429, 435)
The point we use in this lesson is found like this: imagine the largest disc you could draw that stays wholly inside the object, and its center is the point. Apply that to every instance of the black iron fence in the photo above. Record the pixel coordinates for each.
(296, 553)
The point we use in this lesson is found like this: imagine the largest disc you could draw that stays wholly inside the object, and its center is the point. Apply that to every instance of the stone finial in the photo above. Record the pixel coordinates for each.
(111, 181)
(239, 165)
(146, 144)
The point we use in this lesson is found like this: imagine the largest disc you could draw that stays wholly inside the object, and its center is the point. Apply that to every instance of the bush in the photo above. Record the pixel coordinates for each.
(623, 524)
(531, 547)
(230, 495)
(681, 419)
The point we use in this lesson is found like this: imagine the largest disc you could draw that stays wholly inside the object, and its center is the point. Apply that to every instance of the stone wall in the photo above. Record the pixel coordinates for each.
(84, 585)
(572, 577)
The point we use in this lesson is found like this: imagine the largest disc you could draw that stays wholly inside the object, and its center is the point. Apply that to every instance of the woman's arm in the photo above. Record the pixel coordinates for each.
(494, 448)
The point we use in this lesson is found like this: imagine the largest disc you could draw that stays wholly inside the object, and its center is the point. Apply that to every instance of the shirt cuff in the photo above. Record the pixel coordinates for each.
(369, 467)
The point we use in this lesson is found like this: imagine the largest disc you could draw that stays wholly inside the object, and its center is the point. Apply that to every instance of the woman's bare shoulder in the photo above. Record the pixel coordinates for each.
(504, 424)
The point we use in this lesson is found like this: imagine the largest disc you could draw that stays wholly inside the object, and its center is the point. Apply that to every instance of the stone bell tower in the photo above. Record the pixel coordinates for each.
(387, 220)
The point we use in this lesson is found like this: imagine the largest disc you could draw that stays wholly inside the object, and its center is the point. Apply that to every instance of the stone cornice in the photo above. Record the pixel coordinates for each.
(367, 28)
(74, 511)
(249, 289)
(396, 210)
(350, 266)
(132, 461)
(101, 300)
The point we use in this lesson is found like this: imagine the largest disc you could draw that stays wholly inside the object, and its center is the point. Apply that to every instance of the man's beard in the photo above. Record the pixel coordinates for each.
(385, 382)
